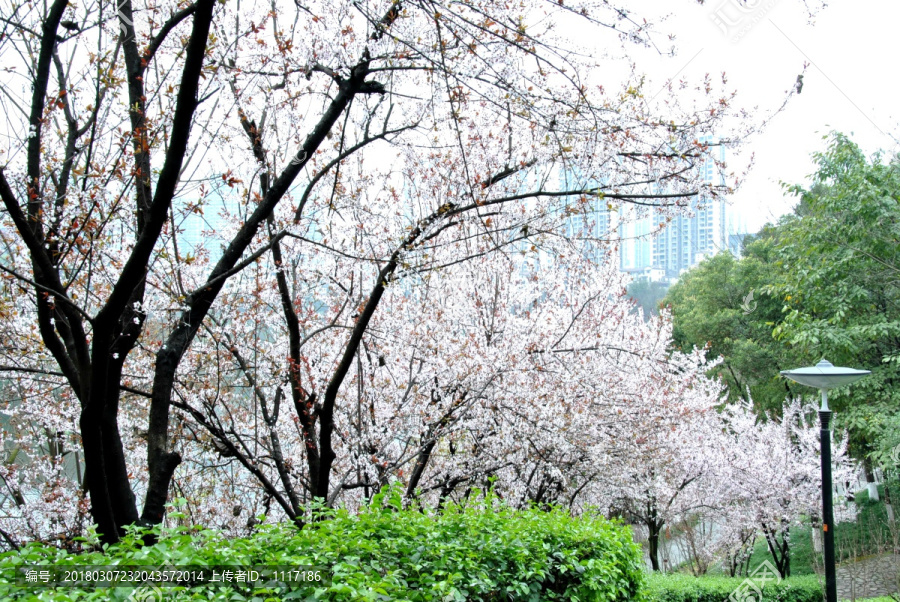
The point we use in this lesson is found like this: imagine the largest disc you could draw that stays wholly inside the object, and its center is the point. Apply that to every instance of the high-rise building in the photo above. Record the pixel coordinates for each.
(662, 251)
(691, 237)
(710, 227)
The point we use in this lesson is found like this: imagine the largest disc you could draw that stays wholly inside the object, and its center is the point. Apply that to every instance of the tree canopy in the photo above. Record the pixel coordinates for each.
(344, 147)
(382, 288)
(823, 282)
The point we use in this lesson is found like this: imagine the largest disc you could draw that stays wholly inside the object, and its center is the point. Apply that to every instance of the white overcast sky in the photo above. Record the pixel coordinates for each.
(851, 84)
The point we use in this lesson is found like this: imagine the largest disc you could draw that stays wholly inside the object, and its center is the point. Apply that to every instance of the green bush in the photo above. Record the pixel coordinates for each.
(686, 588)
(483, 551)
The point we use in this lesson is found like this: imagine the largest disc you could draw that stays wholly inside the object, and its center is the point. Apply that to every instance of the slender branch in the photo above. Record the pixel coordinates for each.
(349, 151)
(169, 25)
(56, 294)
(7, 368)
(221, 278)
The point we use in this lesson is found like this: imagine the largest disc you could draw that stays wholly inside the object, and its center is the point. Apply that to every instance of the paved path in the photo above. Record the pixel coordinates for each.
(868, 578)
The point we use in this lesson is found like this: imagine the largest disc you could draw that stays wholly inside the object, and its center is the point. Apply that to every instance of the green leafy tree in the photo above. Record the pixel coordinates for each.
(721, 305)
(823, 282)
(839, 269)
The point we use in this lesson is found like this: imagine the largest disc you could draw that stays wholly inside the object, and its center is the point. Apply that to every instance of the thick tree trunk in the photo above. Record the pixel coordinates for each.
(422, 459)
(654, 530)
(106, 473)
(93, 373)
(160, 462)
(102, 509)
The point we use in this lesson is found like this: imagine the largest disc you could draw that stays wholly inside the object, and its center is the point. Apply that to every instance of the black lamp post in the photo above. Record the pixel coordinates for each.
(824, 376)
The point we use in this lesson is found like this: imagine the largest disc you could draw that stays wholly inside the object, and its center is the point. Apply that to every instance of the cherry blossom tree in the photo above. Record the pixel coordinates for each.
(673, 475)
(528, 376)
(407, 135)
(775, 476)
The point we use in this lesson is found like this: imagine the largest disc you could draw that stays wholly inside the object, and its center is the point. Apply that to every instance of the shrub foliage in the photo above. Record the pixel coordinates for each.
(481, 551)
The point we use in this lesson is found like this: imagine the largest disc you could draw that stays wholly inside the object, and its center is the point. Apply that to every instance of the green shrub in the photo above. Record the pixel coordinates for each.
(686, 588)
(483, 551)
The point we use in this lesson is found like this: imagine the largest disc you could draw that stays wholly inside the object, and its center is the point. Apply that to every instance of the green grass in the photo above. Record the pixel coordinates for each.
(802, 554)
(678, 587)
(870, 534)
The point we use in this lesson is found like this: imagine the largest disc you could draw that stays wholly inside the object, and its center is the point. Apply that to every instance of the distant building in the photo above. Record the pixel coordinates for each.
(663, 251)
(710, 227)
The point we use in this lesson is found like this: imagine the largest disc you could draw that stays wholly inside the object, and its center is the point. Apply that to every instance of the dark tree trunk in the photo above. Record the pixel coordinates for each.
(429, 440)
(871, 485)
(654, 528)
(422, 459)
(780, 549)
(653, 544)
(321, 481)
(106, 471)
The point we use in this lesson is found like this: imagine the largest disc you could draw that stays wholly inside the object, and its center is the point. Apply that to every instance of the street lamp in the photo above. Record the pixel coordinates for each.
(824, 376)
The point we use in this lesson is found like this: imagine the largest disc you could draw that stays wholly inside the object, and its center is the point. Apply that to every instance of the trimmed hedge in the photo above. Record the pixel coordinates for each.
(484, 551)
(686, 588)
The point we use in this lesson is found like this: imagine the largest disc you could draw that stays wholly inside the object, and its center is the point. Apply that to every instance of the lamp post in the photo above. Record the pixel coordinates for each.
(824, 376)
